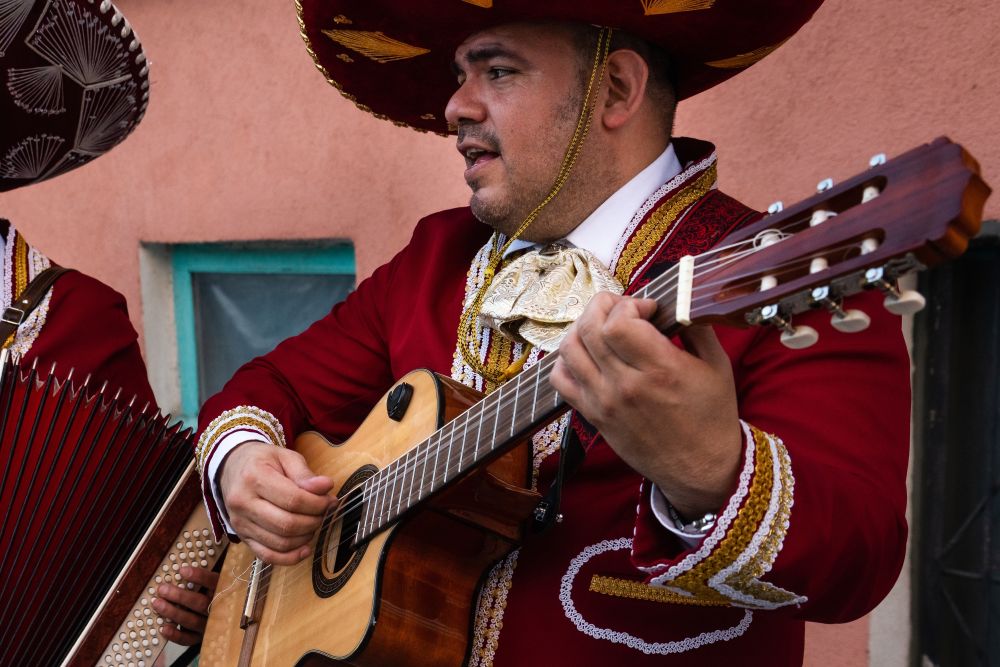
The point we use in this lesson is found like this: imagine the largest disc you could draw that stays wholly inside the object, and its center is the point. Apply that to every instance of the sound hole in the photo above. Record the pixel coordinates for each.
(337, 555)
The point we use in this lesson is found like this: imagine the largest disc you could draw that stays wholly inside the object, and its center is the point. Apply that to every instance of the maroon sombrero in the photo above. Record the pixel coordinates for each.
(73, 84)
(392, 57)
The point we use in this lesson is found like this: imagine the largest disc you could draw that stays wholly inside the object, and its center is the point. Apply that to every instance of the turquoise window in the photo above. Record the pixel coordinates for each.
(234, 302)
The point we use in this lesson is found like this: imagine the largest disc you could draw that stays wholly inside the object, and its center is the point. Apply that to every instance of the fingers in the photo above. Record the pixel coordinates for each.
(701, 341)
(202, 576)
(274, 500)
(179, 635)
(276, 557)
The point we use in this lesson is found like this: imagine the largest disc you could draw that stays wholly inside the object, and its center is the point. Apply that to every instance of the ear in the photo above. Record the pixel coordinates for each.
(626, 78)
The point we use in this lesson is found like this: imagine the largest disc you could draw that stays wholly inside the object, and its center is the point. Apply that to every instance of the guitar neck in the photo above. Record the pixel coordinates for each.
(481, 433)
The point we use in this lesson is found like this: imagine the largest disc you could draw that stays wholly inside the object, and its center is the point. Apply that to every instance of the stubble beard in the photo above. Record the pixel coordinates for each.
(507, 213)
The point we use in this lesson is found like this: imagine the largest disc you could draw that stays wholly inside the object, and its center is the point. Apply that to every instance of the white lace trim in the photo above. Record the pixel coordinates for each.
(653, 200)
(624, 638)
(781, 467)
(721, 526)
(489, 616)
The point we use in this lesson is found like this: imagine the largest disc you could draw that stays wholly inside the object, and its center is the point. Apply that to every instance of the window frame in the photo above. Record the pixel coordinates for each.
(304, 258)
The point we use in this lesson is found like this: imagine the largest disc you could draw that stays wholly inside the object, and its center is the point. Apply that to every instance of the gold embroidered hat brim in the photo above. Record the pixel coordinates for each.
(74, 83)
(392, 58)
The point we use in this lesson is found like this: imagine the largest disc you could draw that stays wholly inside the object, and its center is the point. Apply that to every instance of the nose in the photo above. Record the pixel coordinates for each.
(465, 105)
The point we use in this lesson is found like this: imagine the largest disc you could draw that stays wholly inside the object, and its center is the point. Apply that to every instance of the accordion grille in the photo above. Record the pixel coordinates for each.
(84, 474)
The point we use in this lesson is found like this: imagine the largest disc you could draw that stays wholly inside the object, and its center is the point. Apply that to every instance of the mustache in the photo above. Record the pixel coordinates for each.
(482, 135)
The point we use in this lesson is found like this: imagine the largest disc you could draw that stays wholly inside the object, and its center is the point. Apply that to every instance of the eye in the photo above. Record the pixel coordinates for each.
(499, 72)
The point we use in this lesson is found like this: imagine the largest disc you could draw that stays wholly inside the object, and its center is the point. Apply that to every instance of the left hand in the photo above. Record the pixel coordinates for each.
(185, 612)
(669, 413)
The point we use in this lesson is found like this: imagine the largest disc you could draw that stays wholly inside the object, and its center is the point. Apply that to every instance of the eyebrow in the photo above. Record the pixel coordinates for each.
(484, 53)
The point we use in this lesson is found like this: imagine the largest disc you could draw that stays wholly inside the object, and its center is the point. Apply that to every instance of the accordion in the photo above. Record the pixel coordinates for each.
(99, 503)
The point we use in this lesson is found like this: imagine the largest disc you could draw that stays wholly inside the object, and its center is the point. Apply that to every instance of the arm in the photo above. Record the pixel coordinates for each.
(326, 379)
(87, 328)
(810, 493)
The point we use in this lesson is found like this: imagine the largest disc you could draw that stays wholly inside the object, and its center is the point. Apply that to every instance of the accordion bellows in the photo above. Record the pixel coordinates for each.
(84, 475)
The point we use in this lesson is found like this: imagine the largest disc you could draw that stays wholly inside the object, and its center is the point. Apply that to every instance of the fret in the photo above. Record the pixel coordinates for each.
(447, 463)
(402, 481)
(379, 497)
(413, 472)
(513, 415)
(437, 452)
(465, 436)
(365, 525)
(534, 398)
(496, 419)
(423, 473)
(479, 434)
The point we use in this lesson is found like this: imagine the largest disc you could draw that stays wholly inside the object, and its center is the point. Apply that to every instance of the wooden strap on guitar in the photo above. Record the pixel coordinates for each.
(28, 300)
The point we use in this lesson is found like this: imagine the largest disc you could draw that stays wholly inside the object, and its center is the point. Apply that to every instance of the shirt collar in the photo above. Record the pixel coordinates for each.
(600, 231)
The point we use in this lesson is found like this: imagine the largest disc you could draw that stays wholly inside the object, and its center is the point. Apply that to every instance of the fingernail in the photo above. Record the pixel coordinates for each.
(185, 571)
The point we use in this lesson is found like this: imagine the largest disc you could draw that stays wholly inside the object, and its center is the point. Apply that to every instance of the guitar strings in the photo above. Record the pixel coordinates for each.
(393, 473)
(390, 474)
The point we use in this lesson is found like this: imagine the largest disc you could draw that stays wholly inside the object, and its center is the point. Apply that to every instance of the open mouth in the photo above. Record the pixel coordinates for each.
(475, 157)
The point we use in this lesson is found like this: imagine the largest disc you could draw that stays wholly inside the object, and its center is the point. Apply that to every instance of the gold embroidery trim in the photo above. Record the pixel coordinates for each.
(745, 59)
(652, 7)
(242, 416)
(636, 590)
(375, 45)
(740, 533)
(20, 276)
(485, 4)
(746, 580)
(660, 223)
(333, 82)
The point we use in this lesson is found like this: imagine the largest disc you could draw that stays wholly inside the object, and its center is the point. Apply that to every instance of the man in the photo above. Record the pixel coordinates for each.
(75, 85)
(678, 535)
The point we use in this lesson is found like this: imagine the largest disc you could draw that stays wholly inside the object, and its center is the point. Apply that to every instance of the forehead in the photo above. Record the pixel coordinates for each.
(526, 40)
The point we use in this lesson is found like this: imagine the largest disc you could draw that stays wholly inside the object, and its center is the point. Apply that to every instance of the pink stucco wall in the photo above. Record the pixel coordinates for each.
(243, 140)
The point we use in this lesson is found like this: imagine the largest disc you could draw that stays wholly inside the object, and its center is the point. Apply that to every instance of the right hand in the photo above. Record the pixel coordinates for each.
(275, 502)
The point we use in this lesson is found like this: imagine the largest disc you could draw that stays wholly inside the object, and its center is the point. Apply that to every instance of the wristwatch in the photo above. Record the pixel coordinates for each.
(698, 527)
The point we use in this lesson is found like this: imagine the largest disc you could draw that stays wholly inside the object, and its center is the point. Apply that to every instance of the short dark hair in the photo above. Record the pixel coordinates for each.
(660, 88)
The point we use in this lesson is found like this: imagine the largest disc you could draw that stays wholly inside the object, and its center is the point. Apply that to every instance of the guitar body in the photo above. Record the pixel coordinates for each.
(407, 596)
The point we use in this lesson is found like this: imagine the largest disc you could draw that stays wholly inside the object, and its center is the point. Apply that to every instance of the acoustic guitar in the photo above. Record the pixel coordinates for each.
(433, 487)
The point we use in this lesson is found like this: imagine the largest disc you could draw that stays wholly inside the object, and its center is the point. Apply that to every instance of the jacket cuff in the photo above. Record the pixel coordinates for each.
(744, 543)
(245, 418)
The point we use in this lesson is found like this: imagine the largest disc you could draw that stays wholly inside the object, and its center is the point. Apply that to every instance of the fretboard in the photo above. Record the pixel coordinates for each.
(485, 430)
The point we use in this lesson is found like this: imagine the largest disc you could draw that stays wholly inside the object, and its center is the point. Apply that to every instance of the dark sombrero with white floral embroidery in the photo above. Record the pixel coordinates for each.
(392, 57)
(73, 84)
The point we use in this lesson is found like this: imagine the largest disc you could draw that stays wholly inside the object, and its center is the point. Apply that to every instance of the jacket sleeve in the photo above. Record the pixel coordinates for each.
(84, 326)
(816, 520)
(326, 379)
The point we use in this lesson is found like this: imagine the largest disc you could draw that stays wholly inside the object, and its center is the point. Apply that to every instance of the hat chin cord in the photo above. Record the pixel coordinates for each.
(467, 327)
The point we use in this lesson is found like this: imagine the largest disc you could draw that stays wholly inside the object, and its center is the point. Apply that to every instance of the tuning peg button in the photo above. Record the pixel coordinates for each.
(850, 321)
(906, 302)
(798, 338)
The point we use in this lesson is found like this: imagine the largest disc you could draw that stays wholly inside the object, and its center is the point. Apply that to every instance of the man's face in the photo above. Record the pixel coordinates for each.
(516, 107)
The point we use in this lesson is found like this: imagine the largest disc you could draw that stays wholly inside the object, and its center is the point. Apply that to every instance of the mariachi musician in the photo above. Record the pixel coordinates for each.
(74, 85)
(732, 489)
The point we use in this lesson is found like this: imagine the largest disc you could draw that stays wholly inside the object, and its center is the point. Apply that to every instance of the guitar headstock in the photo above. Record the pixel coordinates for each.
(901, 215)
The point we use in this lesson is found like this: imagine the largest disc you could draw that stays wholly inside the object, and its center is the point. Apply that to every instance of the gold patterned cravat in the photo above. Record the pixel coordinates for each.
(537, 296)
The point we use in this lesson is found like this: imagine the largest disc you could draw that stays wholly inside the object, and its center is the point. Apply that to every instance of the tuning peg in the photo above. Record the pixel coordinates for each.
(904, 302)
(877, 160)
(850, 321)
(824, 185)
(845, 321)
(776, 207)
(798, 338)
